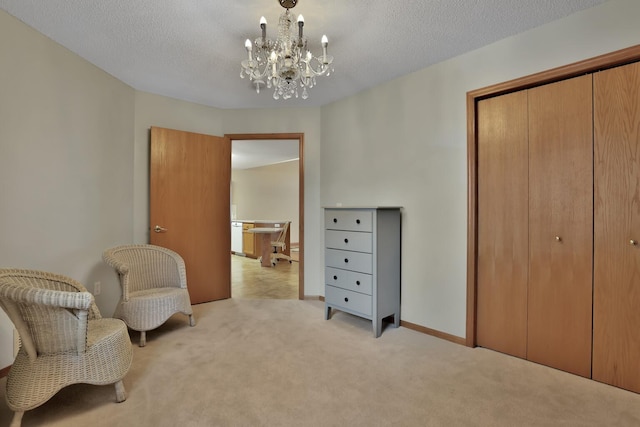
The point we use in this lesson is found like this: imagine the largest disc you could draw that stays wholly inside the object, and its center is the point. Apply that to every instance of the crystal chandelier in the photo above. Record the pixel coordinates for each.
(285, 64)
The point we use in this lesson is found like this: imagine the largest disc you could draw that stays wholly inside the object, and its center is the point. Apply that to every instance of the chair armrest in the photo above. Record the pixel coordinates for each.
(79, 303)
(48, 297)
(120, 267)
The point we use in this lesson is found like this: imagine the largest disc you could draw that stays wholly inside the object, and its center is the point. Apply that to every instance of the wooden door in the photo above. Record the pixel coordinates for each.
(503, 211)
(616, 305)
(561, 225)
(189, 197)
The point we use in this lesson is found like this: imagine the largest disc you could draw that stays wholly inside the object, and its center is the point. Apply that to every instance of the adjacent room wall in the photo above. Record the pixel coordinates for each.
(66, 163)
(404, 143)
(268, 193)
(294, 120)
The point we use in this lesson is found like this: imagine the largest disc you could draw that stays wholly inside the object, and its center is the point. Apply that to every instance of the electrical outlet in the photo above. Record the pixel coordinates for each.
(96, 288)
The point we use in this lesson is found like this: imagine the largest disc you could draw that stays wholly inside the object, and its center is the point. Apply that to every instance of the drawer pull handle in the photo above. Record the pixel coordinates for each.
(335, 277)
(346, 299)
(357, 221)
(358, 282)
(346, 240)
(335, 220)
(346, 260)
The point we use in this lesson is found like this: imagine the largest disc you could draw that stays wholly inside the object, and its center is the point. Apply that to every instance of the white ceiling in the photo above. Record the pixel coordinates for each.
(246, 154)
(191, 49)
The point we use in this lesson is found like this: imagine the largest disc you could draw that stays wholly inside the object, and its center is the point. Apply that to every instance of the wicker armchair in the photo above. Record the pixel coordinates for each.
(64, 339)
(154, 286)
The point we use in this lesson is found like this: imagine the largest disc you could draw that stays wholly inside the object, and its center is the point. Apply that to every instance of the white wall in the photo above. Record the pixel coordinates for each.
(269, 193)
(404, 144)
(66, 163)
(74, 163)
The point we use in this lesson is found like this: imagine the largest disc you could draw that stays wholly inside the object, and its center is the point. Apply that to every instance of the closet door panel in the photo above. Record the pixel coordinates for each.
(561, 225)
(616, 308)
(503, 207)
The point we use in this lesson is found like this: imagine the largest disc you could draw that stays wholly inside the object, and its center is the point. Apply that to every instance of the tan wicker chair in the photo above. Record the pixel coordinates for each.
(64, 339)
(154, 286)
(280, 245)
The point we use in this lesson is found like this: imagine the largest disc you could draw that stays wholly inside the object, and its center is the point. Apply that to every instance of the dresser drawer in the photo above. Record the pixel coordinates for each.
(352, 301)
(351, 280)
(349, 240)
(355, 261)
(356, 220)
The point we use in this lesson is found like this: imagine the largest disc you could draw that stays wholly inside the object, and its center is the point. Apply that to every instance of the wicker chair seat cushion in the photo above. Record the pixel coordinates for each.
(150, 308)
(106, 361)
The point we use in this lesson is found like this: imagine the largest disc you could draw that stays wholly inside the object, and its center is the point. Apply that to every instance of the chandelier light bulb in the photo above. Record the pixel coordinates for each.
(263, 26)
(300, 25)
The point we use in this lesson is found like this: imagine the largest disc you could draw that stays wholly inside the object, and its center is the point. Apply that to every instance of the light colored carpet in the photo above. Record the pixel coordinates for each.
(279, 363)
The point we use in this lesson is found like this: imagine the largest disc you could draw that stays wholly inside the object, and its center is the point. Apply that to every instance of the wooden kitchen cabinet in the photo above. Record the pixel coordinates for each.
(248, 240)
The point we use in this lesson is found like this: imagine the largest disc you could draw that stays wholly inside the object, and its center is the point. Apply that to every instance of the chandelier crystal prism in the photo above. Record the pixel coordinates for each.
(285, 64)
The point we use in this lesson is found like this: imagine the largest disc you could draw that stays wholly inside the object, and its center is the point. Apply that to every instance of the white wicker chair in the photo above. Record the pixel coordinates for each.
(154, 286)
(64, 339)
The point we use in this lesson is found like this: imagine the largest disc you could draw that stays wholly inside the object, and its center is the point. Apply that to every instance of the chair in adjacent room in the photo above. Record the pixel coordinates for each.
(64, 339)
(280, 245)
(154, 286)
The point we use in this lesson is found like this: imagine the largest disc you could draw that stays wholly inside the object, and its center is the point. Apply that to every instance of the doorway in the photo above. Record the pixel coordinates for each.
(298, 232)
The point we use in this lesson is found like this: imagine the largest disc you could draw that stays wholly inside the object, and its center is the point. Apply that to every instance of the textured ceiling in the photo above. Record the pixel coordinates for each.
(191, 49)
(247, 154)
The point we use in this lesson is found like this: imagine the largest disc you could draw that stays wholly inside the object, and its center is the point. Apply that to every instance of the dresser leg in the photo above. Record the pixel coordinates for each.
(377, 327)
(396, 319)
(327, 313)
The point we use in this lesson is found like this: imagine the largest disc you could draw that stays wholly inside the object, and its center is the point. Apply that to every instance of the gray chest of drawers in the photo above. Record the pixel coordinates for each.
(362, 263)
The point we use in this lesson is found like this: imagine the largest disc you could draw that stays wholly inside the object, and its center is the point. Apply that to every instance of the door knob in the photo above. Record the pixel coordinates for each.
(633, 242)
(558, 239)
(159, 229)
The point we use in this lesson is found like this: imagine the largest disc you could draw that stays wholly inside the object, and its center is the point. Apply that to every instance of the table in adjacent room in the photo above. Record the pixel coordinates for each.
(265, 243)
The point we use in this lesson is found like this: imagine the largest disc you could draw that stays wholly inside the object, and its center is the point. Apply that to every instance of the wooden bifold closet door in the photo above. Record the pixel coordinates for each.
(616, 309)
(535, 222)
(557, 243)
(561, 225)
(503, 212)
